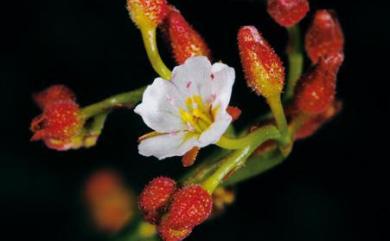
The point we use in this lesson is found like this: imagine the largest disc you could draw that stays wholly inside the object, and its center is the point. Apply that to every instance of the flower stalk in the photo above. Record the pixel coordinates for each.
(295, 60)
(126, 99)
(236, 159)
(149, 39)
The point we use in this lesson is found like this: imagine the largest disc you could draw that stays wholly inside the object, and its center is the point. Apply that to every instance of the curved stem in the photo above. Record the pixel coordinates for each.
(149, 38)
(295, 60)
(236, 159)
(95, 129)
(127, 99)
(276, 106)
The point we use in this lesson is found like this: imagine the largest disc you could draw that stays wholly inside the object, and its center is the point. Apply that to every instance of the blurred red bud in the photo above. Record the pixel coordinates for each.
(263, 68)
(287, 12)
(324, 37)
(316, 89)
(184, 39)
(110, 203)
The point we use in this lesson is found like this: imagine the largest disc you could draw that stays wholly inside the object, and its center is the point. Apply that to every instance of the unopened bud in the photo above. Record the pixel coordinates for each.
(263, 68)
(324, 37)
(184, 39)
(287, 12)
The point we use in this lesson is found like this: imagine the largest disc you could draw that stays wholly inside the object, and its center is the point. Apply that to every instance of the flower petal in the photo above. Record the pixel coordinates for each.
(219, 90)
(160, 105)
(216, 129)
(167, 145)
(192, 75)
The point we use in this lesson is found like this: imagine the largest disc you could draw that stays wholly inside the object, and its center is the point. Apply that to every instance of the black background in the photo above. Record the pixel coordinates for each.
(334, 186)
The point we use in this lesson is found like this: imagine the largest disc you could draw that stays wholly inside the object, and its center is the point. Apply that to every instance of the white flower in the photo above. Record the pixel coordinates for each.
(188, 111)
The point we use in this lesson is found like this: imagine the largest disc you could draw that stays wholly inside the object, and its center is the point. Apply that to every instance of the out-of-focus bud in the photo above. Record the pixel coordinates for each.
(110, 203)
(147, 13)
(184, 39)
(311, 125)
(287, 12)
(263, 68)
(316, 90)
(155, 197)
(324, 37)
(59, 125)
(52, 94)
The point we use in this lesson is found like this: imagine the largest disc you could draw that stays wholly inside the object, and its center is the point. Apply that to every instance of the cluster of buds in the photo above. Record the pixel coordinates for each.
(175, 210)
(324, 44)
(110, 203)
(60, 125)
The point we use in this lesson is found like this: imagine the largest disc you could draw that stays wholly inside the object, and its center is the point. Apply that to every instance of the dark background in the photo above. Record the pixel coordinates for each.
(334, 186)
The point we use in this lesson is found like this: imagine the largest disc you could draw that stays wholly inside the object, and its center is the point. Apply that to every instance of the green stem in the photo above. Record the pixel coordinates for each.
(95, 129)
(276, 106)
(256, 165)
(295, 60)
(149, 38)
(127, 99)
(236, 159)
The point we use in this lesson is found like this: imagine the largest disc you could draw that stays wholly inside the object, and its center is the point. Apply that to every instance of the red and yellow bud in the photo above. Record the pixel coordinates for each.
(58, 125)
(53, 94)
(263, 68)
(316, 90)
(147, 13)
(155, 197)
(110, 203)
(287, 12)
(324, 37)
(184, 39)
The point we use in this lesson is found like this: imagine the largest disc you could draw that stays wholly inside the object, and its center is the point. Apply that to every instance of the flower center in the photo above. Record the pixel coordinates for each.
(197, 116)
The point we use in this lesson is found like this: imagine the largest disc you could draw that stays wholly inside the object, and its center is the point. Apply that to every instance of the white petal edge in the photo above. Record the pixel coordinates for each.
(219, 90)
(166, 145)
(160, 105)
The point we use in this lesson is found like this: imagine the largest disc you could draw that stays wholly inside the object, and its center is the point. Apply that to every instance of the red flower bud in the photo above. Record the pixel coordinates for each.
(324, 37)
(316, 90)
(53, 94)
(190, 206)
(58, 124)
(287, 12)
(155, 197)
(147, 13)
(184, 39)
(263, 68)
